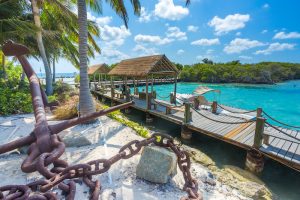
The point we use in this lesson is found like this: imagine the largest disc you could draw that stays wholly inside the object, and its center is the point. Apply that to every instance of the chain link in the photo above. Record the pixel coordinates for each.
(100, 166)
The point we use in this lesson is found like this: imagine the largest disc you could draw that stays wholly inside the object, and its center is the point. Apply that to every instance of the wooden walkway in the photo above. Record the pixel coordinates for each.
(281, 147)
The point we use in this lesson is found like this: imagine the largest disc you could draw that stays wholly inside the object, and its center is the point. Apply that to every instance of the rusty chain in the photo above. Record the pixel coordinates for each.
(45, 148)
(100, 166)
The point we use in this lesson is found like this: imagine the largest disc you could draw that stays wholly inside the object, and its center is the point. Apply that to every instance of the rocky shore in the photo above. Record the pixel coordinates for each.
(104, 140)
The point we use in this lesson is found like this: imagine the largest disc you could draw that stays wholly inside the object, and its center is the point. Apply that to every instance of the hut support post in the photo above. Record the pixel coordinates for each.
(112, 88)
(127, 91)
(147, 95)
(152, 84)
(134, 86)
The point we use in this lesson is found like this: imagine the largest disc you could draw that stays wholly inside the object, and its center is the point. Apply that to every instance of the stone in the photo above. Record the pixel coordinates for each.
(156, 164)
(81, 135)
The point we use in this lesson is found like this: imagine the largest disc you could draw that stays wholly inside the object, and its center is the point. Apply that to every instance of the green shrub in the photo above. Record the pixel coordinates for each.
(14, 98)
(120, 117)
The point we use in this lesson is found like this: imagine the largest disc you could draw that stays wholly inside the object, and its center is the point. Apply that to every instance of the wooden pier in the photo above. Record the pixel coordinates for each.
(278, 143)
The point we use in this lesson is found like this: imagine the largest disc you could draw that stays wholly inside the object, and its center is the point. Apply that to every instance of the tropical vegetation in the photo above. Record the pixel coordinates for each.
(235, 72)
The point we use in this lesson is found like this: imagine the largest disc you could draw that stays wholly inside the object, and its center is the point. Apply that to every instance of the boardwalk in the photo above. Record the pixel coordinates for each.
(283, 144)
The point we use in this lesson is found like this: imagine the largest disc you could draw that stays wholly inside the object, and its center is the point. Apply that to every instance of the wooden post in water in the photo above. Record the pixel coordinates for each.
(259, 131)
(214, 107)
(187, 113)
(186, 133)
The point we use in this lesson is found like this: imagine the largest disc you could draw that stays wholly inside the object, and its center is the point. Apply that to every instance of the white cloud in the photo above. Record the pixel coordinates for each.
(157, 40)
(114, 36)
(229, 23)
(180, 51)
(206, 42)
(145, 16)
(192, 28)
(276, 47)
(245, 57)
(201, 57)
(266, 6)
(238, 45)
(145, 51)
(175, 32)
(264, 31)
(101, 21)
(283, 35)
(209, 51)
(238, 34)
(167, 10)
(113, 54)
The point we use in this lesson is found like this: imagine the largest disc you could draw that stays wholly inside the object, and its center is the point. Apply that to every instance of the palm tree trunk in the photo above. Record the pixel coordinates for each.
(53, 71)
(39, 38)
(3, 67)
(86, 104)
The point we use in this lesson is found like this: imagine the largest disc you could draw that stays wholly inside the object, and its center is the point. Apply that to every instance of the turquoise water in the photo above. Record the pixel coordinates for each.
(281, 101)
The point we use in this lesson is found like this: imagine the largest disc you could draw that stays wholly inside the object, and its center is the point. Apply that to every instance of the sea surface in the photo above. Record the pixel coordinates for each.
(281, 101)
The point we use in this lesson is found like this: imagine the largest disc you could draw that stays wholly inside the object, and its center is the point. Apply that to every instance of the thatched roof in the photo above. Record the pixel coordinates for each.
(98, 69)
(143, 66)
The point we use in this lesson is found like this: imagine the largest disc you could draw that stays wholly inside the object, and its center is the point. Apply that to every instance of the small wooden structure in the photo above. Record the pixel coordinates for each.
(100, 70)
(145, 67)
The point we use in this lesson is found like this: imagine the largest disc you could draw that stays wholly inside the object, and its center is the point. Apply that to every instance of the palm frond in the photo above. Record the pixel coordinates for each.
(119, 7)
(136, 7)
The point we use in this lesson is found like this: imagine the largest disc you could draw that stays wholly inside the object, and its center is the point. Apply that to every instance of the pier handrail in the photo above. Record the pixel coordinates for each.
(272, 118)
(163, 97)
(224, 122)
(281, 131)
(237, 112)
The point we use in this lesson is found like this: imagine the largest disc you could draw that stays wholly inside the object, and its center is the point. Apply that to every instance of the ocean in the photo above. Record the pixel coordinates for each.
(281, 101)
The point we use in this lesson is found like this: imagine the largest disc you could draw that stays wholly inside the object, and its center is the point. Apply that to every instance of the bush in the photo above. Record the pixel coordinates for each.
(14, 98)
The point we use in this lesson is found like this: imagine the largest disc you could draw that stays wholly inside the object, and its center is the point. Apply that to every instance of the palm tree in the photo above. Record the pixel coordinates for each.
(41, 47)
(86, 104)
(14, 25)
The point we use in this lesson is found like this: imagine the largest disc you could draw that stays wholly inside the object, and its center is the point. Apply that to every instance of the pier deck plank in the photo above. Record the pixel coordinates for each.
(283, 148)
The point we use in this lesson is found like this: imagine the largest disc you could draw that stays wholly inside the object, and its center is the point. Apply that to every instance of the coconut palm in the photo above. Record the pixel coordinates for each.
(86, 104)
(14, 25)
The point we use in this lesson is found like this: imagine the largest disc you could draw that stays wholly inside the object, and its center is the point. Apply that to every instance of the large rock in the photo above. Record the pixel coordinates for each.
(157, 164)
(81, 135)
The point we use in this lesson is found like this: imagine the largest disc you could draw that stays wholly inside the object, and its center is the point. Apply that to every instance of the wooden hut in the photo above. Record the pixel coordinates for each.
(146, 67)
(99, 70)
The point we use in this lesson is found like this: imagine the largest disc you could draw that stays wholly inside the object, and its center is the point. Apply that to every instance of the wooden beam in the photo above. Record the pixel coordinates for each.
(147, 94)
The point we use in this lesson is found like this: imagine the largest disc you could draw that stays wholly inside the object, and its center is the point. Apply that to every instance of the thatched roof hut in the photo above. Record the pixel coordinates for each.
(144, 66)
(98, 69)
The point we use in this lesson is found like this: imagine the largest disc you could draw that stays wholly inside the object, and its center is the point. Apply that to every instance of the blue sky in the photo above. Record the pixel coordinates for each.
(222, 30)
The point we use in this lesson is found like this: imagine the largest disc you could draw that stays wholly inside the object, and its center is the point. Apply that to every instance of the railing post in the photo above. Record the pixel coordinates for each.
(112, 90)
(127, 94)
(196, 103)
(171, 97)
(214, 107)
(154, 94)
(187, 113)
(258, 112)
(259, 131)
(136, 91)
